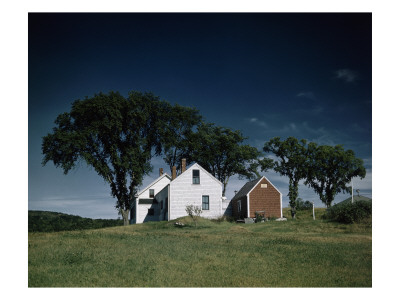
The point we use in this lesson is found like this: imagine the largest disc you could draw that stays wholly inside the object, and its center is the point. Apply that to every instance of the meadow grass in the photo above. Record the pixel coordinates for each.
(295, 253)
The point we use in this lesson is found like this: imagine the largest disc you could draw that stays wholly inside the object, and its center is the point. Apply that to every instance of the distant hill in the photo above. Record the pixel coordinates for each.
(356, 199)
(47, 221)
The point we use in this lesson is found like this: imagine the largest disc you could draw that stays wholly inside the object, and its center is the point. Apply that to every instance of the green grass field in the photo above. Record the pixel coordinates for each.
(295, 253)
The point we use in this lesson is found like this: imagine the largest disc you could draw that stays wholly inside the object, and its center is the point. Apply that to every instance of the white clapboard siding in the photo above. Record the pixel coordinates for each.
(183, 192)
(157, 185)
(226, 207)
(160, 186)
(142, 213)
(162, 197)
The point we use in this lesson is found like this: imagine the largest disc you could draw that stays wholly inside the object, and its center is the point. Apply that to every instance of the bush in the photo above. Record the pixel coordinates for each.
(193, 212)
(303, 205)
(349, 212)
(259, 217)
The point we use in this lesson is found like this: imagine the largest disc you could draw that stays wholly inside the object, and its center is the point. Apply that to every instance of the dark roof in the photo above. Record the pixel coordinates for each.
(246, 189)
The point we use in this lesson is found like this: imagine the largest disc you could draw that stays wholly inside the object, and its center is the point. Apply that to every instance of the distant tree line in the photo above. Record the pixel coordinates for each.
(118, 136)
(303, 205)
(45, 221)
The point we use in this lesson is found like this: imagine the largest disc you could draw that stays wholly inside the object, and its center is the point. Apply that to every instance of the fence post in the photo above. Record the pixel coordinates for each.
(313, 213)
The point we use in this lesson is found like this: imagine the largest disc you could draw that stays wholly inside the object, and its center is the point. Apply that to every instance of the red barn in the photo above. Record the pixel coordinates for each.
(260, 196)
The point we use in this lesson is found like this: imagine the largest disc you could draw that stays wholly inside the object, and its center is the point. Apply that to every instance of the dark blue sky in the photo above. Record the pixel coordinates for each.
(302, 75)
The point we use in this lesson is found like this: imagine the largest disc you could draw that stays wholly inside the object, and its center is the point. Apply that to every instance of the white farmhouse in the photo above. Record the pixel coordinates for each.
(198, 187)
(166, 198)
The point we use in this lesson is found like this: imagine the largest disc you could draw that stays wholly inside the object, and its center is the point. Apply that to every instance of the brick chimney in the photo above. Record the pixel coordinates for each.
(161, 171)
(173, 172)
(183, 165)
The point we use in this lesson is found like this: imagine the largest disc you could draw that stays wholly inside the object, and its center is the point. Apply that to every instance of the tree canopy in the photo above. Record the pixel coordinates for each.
(117, 136)
(178, 130)
(326, 169)
(221, 152)
(330, 169)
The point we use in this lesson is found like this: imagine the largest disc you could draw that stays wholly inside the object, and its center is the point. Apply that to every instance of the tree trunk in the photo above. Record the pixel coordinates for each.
(329, 200)
(225, 183)
(293, 193)
(125, 216)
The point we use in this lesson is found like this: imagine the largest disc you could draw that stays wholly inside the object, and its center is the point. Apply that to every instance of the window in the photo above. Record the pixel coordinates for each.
(150, 212)
(151, 191)
(196, 176)
(205, 203)
(239, 205)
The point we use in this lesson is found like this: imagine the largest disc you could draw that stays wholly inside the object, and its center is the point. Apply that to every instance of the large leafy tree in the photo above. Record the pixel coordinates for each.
(117, 136)
(178, 130)
(221, 152)
(290, 162)
(330, 170)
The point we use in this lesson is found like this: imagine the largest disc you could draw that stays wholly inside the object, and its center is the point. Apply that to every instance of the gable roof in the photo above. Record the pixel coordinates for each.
(204, 170)
(153, 183)
(249, 186)
(246, 189)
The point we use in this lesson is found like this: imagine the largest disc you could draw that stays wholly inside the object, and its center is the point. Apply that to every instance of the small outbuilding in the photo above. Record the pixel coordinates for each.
(258, 196)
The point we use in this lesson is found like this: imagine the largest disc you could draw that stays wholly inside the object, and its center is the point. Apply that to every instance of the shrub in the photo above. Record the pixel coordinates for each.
(259, 217)
(193, 212)
(349, 212)
(303, 205)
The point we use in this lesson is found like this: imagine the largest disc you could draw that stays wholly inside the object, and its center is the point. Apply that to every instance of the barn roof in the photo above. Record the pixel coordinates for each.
(249, 186)
(246, 189)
